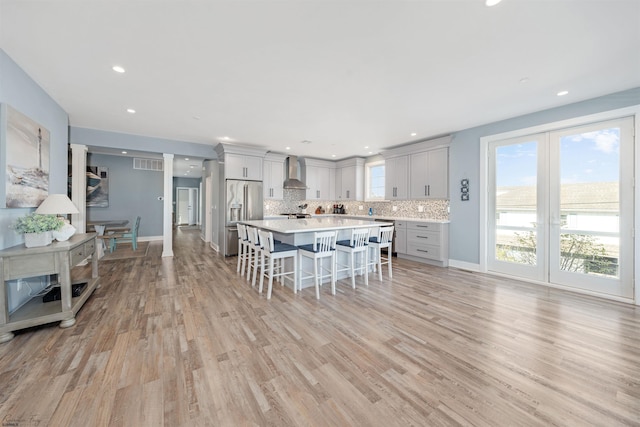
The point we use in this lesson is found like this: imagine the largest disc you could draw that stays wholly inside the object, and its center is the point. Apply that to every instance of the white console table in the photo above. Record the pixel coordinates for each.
(57, 258)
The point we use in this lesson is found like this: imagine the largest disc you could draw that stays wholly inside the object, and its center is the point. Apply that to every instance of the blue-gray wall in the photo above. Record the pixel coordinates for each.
(132, 193)
(123, 141)
(23, 94)
(464, 162)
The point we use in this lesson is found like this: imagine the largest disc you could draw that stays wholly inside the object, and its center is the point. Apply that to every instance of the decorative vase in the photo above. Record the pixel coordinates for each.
(33, 240)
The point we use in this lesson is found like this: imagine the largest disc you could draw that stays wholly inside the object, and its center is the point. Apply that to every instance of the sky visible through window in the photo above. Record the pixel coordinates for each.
(587, 157)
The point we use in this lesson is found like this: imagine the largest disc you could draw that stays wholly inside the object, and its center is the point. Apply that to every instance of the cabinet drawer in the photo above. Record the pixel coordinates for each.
(424, 251)
(424, 226)
(424, 237)
(29, 266)
(401, 225)
(77, 255)
(89, 248)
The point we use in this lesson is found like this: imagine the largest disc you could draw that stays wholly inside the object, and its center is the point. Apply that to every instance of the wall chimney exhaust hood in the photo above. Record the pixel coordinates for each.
(292, 182)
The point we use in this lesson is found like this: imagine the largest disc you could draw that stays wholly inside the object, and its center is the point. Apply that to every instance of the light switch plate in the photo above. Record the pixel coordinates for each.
(394, 208)
(420, 208)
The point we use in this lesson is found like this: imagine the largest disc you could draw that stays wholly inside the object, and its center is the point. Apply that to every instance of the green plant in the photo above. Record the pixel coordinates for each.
(37, 223)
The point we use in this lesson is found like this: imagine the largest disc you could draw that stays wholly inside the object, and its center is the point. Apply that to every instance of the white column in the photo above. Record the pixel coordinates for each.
(79, 186)
(167, 230)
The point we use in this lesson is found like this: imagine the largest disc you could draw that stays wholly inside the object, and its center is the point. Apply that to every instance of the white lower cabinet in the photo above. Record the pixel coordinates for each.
(401, 237)
(426, 242)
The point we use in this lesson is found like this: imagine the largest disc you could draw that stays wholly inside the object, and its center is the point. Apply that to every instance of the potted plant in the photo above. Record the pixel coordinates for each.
(37, 228)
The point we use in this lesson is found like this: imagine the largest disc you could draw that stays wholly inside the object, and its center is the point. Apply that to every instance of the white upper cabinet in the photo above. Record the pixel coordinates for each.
(273, 177)
(396, 173)
(319, 177)
(418, 171)
(350, 184)
(242, 167)
(430, 174)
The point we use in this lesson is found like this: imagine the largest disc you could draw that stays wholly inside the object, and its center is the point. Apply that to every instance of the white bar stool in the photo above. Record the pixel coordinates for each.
(253, 260)
(277, 254)
(323, 246)
(243, 248)
(382, 240)
(352, 247)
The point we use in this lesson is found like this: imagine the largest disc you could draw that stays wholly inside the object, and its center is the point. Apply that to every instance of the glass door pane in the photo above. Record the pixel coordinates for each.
(515, 241)
(586, 207)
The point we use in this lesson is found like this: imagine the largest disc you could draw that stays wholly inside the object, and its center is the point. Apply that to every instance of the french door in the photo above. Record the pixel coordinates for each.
(561, 207)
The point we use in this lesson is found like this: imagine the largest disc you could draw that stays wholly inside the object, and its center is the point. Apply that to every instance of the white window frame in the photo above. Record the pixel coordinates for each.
(367, 181)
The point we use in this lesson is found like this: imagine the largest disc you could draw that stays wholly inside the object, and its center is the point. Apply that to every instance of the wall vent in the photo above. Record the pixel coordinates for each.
(148, 164)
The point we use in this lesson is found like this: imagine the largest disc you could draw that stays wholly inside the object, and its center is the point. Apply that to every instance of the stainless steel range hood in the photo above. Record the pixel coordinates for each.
(292, 182)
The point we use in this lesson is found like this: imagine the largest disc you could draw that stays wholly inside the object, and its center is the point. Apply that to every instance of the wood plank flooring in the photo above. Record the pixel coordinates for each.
(185, 341)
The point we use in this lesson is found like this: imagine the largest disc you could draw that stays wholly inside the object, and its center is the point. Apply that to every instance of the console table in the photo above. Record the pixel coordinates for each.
(57, 258)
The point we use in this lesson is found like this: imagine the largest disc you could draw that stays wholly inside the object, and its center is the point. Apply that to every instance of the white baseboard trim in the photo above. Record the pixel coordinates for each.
(464, 265)
(150, 238)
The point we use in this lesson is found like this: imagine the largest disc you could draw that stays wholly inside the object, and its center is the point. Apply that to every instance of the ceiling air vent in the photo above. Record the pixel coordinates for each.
(148, 164)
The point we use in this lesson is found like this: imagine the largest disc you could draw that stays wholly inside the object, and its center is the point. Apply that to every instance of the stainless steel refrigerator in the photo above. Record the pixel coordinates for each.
(243, 201)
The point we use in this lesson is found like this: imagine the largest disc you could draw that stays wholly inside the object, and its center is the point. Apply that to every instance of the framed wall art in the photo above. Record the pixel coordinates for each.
(97, 187)
(25, 147)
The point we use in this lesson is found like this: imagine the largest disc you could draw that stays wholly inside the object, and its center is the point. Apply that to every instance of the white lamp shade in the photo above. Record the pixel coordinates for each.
(57, 204)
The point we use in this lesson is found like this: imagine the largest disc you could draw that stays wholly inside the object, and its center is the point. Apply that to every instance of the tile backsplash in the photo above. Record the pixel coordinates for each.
(431, 209)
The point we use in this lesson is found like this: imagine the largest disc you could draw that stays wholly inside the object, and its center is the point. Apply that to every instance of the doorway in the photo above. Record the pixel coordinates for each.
(560, 207)
(187, 208)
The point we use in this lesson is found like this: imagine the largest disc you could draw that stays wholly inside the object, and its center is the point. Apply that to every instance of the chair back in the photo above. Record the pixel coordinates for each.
(252, 235)
(134, 230)
(359, 237)
(266, 240)
(324, 241)
(385, 235)
(242, 231)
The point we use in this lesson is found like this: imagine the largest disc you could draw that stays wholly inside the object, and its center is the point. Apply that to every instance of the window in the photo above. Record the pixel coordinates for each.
(374, 180)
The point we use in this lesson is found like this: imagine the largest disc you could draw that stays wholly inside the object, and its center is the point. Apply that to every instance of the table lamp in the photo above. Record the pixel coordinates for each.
(59, 204)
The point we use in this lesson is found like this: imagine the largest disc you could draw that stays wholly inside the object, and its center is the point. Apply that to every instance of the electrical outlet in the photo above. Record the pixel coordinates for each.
(394, 208)
(360, 207)
(420, 208)
(266, 207)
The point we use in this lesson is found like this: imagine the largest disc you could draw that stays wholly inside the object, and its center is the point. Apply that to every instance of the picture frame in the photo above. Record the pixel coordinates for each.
(25, 147)
(97, 187)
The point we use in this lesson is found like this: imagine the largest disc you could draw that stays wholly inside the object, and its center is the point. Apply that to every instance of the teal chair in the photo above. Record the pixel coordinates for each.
(129, 236)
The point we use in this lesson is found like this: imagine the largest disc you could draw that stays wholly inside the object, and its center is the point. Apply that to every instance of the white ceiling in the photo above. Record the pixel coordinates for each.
(345, 74)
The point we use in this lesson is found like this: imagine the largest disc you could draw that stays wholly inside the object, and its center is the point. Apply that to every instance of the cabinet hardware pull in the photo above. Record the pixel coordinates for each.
(428, 190)
(422, 250)
(422, 226)
(425, 190)
(422, 237)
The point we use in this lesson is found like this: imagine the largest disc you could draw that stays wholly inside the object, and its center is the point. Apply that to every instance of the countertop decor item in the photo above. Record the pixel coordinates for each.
(37, 228)
(59, 204)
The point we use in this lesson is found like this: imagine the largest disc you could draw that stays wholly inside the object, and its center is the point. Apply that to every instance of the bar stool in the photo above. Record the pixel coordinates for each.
(243, 248)
(277, 254)
(253, 260)
(382, 240)
(356, 245)
(323, 246)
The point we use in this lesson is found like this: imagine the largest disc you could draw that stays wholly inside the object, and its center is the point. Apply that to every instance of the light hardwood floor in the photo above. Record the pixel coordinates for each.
(184, 341)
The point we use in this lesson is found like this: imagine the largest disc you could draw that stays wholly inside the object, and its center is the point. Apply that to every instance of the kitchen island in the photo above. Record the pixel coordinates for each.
(300, 232)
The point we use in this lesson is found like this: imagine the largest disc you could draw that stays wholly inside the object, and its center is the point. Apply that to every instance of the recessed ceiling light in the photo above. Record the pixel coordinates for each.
(333, 155)
(492, 2)
(118, 69)
(562, 92)
(124, 152)
(225, 138)
(370, 152)
(413, 134)
(287, 148)
(131, 111)
(366, 146)
(186, 158)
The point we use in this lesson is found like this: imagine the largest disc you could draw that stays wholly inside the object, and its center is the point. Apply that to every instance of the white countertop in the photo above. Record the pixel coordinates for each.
(317, 223)
(366, 217)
